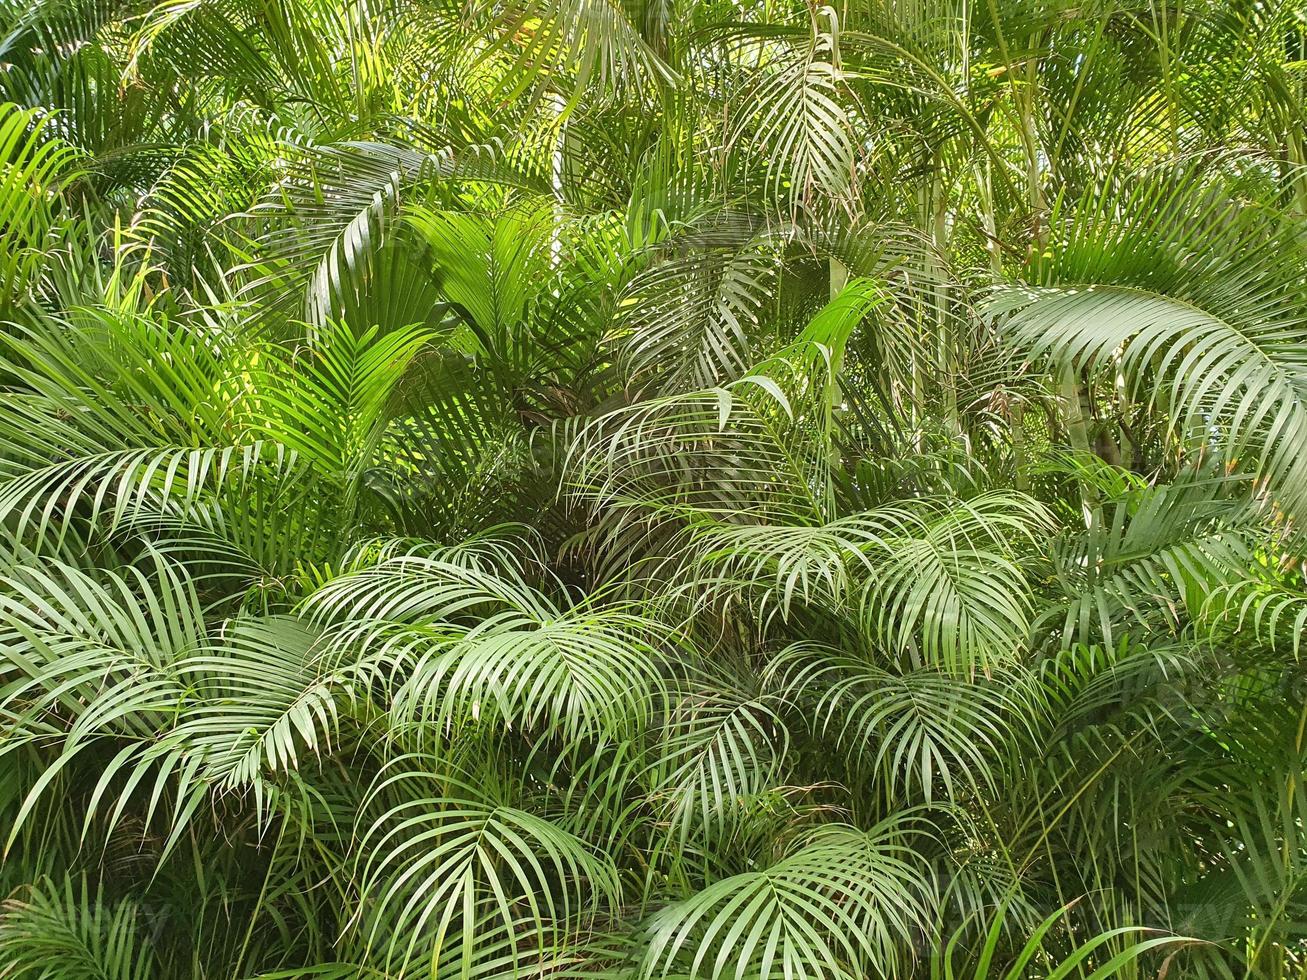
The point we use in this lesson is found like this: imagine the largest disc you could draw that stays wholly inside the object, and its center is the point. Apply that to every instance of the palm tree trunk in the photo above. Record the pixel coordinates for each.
(1077, 424)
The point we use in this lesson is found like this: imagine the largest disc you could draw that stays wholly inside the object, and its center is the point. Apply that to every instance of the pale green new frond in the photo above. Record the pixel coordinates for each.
(328, 402)
(32, 161)
(490, 271)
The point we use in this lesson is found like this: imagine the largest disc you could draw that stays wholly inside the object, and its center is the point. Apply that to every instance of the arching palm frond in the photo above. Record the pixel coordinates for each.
(585, 673)
(455, 451)
(949, 589)
(796, 111)
(652, 489)
(491, 272)
(766, 435)
(329, 402)
(83, 647)
(32, 162)
(443, 866)
(653, 456)
(136, 409)
(198, 186)
(779, 566)
(417, 585)
(592, 41)
(719, 749)
(836, 906)
(140, 675)
(1212, 343)
(323, 224)
(922, 732)
(688, 315)
(1241, 389)
(1158, 552)
(262, 696)
(66, 932)
(527, 664)
(1277, 612)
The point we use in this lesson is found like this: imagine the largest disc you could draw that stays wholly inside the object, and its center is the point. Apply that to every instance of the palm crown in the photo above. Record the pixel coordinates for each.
(682, 489)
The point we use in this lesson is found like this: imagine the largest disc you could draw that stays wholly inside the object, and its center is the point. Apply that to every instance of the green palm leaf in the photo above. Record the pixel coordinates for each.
(440, 864)
(66, 932)
(837, 906)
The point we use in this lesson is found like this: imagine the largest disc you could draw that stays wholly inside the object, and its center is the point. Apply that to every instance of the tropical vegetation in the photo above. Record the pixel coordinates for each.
(653, 488)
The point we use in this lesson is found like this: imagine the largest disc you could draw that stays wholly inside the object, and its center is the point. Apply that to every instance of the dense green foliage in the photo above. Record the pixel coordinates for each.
(653, 488)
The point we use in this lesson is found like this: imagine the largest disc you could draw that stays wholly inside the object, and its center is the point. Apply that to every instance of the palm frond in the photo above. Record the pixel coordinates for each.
(32, 162)
(719, 749)
(839, 904)
(920, 732)
(66, 931)
(951, 589)
(1214, 343)
(440, 864)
